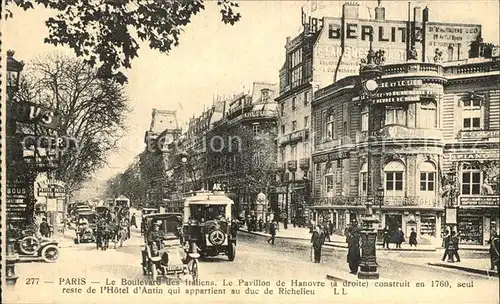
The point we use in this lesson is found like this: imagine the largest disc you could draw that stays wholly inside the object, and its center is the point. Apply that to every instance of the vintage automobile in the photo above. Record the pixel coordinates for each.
(86, 227)
(144, 212)
(163, 252)
(208, 224)
(34, 248)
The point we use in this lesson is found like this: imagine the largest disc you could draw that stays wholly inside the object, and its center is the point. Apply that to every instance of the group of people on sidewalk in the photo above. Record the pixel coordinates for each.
(398, 237)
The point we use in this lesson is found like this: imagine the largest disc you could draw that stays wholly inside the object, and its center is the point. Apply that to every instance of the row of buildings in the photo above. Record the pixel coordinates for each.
(304, 143)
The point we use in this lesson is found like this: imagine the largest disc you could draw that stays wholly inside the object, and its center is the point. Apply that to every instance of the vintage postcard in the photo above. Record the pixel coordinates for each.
(244, 151)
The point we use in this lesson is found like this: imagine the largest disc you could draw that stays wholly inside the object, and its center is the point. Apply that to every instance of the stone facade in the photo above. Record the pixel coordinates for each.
(421, 131)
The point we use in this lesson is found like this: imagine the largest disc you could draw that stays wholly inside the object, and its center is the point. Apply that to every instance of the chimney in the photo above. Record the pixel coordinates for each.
(426, 14)
(417, 14)
(288, 39)
(350, 10)
(380, 13)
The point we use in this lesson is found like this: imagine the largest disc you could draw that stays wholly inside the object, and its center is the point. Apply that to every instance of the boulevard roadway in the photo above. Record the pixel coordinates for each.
(255, 260)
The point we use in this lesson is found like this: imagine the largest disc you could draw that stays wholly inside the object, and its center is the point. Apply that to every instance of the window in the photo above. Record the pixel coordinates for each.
(394, 172)
(256, 129)
(283, 129)
(296, 57)
(294, 126)
(306, 149)
(395, 116)
(329, 180)
(306, 98)
(329, 127)
(471, 180)
(294, 103)
(344, 129)
(427, 177)
(364, 118)
(282, 154)
(306, 122)
(363, 180)
(296, 76)
(282, 110)
(472, 114)
(293, 152)
(428, 114)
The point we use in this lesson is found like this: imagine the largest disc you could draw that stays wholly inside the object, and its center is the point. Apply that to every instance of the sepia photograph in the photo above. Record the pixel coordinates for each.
(250, 151)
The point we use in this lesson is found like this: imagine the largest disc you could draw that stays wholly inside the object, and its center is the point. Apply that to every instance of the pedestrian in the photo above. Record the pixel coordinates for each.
(317, 241)
(353, 253)
(387, 237)
(494, 251)
(260, 224)
(133, 221)
(285, 223)
(400, 237)
(326, 231)
(413, 237)
(330, 227)
(453, 248)
(44, 228)
(446, 243)
(272, 231)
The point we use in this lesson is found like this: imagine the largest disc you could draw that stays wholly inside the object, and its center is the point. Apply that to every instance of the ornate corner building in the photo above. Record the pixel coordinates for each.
(434, 123)
(430, 121)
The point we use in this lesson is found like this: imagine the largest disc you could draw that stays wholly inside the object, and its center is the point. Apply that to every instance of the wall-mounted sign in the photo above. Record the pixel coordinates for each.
(320, 158)
(27, 112)
(480, 134)
(451, 216)
(402, 83)
(493, 200)
(453, 40)
(479, 155)
(51, 204)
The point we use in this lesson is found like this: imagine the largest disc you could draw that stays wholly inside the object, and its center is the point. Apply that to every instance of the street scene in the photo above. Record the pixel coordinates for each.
(251, 151)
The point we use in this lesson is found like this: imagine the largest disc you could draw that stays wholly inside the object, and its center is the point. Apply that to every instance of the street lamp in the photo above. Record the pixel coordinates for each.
(184, 161)
(14, 69)
(370, 72)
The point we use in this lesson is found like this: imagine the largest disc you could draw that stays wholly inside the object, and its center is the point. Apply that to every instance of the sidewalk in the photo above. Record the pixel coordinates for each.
(295, 233)
(478, 266)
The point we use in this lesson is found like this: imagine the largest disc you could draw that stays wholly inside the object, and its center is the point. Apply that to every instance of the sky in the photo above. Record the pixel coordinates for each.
(218, 59)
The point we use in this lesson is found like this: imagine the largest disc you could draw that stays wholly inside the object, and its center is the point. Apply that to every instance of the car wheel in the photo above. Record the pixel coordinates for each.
(231, 251)
(50, 254)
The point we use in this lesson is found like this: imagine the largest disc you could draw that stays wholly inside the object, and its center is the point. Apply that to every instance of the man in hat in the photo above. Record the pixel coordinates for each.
(354, 253)
(155, 234)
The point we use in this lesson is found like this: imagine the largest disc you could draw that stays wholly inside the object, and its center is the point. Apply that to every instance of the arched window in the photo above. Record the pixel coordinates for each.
(427, 177)
(394, 178)
(363, 179)
(329, 179)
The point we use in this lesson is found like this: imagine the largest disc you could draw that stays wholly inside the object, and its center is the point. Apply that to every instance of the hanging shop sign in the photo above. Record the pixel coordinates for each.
(451, 216)
(52, 188)
(27, 112)
(62, 143)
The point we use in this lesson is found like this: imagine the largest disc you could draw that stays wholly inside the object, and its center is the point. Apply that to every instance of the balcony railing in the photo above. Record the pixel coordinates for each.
(413, 67)
(480, 200)
(472, 67)
(293, 137)
(400, 132)
(392, 201)
(340, 201)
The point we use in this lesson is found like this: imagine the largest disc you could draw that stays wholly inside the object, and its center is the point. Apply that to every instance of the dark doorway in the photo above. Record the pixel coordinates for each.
(393, 221)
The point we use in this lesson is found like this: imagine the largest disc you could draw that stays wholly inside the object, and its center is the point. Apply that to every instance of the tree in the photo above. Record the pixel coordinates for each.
(92, 111)
(105, 33)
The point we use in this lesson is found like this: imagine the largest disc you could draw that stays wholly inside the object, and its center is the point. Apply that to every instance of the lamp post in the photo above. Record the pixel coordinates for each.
(184, 161)
(370, 72)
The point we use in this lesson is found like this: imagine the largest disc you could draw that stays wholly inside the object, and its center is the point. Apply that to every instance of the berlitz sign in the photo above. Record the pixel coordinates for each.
(370, 32)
